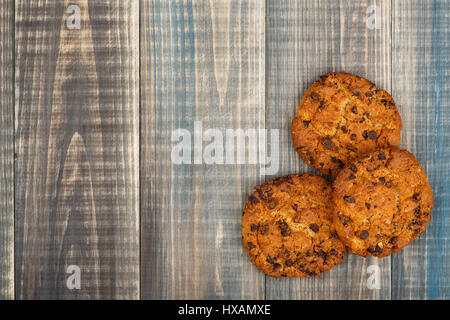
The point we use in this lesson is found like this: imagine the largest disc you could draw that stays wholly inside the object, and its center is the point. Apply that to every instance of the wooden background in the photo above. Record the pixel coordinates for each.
(86, 119)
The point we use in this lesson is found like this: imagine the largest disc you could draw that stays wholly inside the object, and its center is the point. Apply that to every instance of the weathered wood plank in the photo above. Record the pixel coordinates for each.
(421, 85)
(200, 61)
(7, 150)
(77, 116)
(304, 40)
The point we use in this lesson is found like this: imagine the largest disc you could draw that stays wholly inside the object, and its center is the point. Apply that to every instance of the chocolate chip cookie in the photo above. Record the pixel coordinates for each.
(340, 117)
(382, 202)
(287, 227)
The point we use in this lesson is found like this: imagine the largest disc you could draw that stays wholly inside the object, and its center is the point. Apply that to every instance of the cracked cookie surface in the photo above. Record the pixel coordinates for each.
(340, 117)
(287, 227)
(382, 202)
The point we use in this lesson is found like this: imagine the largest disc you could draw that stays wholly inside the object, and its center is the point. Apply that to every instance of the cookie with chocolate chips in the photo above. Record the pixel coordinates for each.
(341, 117)
(382, 202)
(287, 227)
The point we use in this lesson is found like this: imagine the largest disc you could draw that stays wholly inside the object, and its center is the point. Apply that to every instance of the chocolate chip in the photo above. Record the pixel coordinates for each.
(288, 179)
(369, 94)
(371, 249)
(322, 254)
(381, 156)
(282, 225)
(388, 184)
(285, 233)
(391, 104)
(417, 211)
(250, 245)
(378, 249)
(294, 207)
(314, 96)
(367, 205)
(365, 134)
(271, 260)
(264, 229)
(373, 135)
(338, 161)
(314, 227)
(310, 273)
(310, 157)
(383, 101)
(333, 252)
(416, 197)
(382, 180)
(344, 129)
(321, 164)
(372, 87)
(323, 78)
(289, 262)
(354, 109)
(364, 235)
(378, 236)
(276, 266)
(349, 199)
(353, 168)
(266, 194)
(321, 103)
(253, 200)
(353, 137)
(356, 93)
(328, 144)
(393, 240)
(346, 221)
(351, 176)
(334, 234)
(254, 227)
(284, 228)
(306, 123)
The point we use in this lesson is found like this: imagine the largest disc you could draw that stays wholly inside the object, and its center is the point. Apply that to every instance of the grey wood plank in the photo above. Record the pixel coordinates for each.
(200, 61)
(420, 83)
(7, 150)
(304, 40)
(77, 178)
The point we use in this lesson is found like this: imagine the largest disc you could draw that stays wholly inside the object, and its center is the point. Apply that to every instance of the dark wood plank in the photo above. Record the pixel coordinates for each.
(200, 61)
(7, 150)
(77, 187)
(420, 84)
(304, 40)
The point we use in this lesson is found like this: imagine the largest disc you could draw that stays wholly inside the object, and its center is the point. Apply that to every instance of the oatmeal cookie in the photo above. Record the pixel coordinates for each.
(382, 202)
(341, 117)
(287, 227)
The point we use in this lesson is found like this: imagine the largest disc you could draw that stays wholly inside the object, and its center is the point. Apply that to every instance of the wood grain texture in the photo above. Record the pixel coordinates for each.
(7, 150)
(77, 117)
(421, 85)
(200, 61)
(304, 40)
